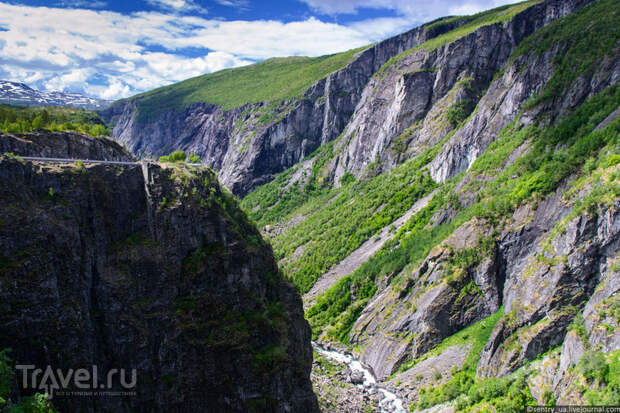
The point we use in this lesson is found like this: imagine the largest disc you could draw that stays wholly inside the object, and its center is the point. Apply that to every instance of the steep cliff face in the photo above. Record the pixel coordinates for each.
(64, 145)
(421, 95)
(147, 267)
(461, 237)
(380, 109)
(248, 145)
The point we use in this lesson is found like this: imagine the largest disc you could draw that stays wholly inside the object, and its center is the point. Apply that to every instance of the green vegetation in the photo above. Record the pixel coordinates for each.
(180, 157)
(17, 119)
(347, 178)
(6, 376)
(486, 18)
(328, 235)
(276, 201)
(555, 154)
(593, 366)
(11, 155)
(458, 112)
(327, 367)
(193, 158)
(270, 358)
(476, 335)
(508, 394)
(603, 370)
(273, 80)
(31, 404)
(197, 260)
(579, 327)
(584, 39)
(338, 308)
(174, 157)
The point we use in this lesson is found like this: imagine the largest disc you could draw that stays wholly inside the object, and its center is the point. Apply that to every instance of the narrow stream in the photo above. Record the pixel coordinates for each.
(389, 403)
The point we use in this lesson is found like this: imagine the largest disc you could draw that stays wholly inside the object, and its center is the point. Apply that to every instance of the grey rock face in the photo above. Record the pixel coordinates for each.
(540, 298)
(67, 145)
(557, 371)
(251, 155)
(507, 95)
(153, 269)
(427, 83)
(396, 326)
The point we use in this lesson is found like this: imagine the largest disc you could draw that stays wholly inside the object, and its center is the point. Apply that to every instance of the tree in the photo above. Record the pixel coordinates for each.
(98, 130)
(37, 122)
(193, 158)
(45, 115)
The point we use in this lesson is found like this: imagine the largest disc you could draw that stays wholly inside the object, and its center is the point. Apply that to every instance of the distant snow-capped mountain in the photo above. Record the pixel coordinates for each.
(13, 93)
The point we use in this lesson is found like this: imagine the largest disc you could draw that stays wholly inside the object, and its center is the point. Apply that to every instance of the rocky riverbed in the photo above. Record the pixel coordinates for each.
(343, 383)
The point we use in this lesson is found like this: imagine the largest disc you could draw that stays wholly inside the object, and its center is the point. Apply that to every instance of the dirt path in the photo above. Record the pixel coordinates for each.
(361, 254)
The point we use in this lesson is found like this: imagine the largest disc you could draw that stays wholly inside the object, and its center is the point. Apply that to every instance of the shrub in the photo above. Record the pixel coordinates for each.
(458, 112)
(593, 366)
(193, 158)
(347, 178)
(174, 157)
(97, 130)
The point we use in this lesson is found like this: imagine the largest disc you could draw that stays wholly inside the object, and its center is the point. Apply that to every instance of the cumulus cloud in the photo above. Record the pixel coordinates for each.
(114, 55)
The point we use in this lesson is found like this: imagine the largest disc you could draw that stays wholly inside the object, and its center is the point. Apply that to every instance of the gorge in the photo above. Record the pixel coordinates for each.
(436, 215)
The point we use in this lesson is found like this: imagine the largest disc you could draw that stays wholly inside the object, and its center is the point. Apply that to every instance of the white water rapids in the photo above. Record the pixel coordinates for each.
(389, 403)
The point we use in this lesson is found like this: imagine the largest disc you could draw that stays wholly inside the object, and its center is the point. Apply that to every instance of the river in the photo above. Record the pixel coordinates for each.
(389, 403)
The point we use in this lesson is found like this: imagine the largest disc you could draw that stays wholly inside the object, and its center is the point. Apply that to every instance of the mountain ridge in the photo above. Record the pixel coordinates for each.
(485, 298)
(20, 94)
(447, 203)
(248, 145)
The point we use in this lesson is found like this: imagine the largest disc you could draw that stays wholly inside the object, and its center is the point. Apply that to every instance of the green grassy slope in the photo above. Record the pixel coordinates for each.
(486, 18)
(531, 177)
(328, 234)
(275, 79)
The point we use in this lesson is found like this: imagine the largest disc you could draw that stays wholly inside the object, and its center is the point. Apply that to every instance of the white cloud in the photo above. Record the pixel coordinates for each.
(112, 55)
(233, 3)
(92, 4)
(178, 5)
(109, 53)
(381, 28)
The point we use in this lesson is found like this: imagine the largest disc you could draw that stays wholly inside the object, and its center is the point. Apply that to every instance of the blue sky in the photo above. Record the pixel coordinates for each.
(114, 48)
